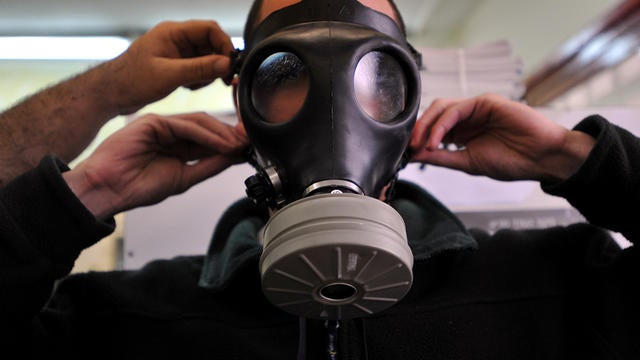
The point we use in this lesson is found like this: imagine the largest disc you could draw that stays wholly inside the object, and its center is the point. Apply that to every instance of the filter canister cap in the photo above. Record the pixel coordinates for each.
(336, 256)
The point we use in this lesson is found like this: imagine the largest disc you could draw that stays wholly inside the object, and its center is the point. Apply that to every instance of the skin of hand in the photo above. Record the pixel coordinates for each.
(65, 118)
(499, 138)
(172, 54)
(153, 158)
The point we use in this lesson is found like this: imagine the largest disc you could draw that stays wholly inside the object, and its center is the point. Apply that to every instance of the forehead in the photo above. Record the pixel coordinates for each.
(269, 6)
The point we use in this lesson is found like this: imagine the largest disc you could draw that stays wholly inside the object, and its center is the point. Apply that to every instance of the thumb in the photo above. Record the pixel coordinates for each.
(455, 160)
(202, 70)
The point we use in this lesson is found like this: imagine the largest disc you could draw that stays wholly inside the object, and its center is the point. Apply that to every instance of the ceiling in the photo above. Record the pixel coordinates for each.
(131, 17)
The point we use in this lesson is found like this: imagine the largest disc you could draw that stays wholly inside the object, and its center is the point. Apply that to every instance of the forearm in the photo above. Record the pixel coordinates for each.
(62, 119)
(563, 164)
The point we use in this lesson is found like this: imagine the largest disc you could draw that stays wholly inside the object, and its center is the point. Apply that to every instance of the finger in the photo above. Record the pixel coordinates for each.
(447, 120)
(242, 131)
(201, 70)
(197, 86)
(206, 35)
(222, 129)
(428, 117)
(457, 160)
(213, 135)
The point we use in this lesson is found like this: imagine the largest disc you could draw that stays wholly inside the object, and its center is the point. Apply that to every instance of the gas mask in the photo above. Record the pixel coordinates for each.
(328, 93)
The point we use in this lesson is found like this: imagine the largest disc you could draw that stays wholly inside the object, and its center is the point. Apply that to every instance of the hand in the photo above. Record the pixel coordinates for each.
(65, 118)
(152, 158)
(499, 138)
(172, 54)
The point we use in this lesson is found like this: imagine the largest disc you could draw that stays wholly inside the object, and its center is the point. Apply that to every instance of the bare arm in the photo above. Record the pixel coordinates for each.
(64, 118)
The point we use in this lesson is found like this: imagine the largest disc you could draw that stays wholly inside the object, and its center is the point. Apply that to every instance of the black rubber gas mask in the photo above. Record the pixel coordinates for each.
(328, 93)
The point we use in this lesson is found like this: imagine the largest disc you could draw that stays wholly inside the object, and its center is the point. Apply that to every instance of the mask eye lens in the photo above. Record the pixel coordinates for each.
(280, 87)
(380, 86)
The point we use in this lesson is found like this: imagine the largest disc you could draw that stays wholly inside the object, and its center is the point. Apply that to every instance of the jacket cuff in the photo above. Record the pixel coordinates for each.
(606, 185)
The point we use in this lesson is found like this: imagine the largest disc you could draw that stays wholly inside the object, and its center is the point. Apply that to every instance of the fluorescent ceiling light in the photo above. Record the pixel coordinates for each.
(69, 47)
(62, 47)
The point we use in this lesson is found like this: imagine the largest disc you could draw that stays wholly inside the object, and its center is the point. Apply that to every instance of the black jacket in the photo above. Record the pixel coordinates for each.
(558, 293)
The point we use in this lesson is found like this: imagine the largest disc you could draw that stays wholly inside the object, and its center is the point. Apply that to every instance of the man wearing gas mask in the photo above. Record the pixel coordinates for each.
(328, 93)
(331, 257)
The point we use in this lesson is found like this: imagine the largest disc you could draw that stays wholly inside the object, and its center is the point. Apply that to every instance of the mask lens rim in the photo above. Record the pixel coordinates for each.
(362, 83)
(279, 86)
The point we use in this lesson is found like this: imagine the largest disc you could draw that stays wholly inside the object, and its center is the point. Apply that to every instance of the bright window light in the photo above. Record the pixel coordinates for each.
(62, 47)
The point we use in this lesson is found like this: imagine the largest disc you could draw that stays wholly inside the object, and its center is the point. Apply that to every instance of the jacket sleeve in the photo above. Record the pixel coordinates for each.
(606, 188)
(43, 229)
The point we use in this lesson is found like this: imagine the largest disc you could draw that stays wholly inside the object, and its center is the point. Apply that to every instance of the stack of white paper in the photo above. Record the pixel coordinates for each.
(471, 71)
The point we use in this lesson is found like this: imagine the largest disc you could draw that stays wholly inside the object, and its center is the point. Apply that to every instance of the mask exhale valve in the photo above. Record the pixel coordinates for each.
(335, 256)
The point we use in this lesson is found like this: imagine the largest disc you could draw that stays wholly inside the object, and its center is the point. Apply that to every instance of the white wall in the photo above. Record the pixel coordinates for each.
(536, 28)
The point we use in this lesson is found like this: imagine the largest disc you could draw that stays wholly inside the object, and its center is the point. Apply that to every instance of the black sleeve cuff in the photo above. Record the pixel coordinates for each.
(50, 216)
(607, 185)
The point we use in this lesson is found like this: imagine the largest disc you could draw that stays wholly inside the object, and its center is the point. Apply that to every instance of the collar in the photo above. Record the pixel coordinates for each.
(235, 240)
